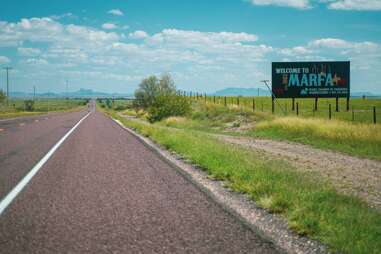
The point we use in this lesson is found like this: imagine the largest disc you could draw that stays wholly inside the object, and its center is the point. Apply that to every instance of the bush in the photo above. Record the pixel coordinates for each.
(166, 106)
(2, 96)
(29, 105)
(160, 99)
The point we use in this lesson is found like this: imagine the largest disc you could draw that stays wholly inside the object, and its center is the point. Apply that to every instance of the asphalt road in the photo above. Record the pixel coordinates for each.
(103, 191)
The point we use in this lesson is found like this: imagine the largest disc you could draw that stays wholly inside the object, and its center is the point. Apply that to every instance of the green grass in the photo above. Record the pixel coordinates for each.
(362, 140)
(311, 206)
(363, 108)
(358, 139)
(16, 107)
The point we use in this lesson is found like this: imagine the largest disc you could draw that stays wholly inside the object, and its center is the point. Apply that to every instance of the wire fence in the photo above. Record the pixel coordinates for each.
(359, 110)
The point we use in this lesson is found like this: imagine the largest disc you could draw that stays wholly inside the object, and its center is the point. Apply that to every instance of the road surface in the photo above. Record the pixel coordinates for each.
(102, 191)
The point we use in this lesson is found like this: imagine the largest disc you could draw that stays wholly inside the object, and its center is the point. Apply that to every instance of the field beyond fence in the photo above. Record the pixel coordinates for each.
(361, 110)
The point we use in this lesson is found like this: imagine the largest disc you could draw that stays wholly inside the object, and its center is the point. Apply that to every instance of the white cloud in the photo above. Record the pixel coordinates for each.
(35, 61)
(28, 51)
(138, 35)
(359, 5)
(65, 15)
(299, 50)
(198, 39)
(298, 4)
(50, 31)
(109, 26)
(4, 60)
(334, 43)
(115, 12)
(199, 59)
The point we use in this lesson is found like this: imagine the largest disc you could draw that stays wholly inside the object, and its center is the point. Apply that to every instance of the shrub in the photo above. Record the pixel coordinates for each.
(2, 96)
(29, 105)
(160, 99)
(166, 106)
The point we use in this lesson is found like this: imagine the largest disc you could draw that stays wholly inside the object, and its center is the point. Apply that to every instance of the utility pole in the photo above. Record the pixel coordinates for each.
(34, 93)
(67, 87)
(67, 95)
(273, 98)
(7, 70)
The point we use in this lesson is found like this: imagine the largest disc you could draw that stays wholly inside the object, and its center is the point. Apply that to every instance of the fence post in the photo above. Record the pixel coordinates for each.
(225, 101)
(253, 104)
(374, 115)
(214, 99)
(262, 105)
(329, 111)
(348, 103)
(337, 104)
(293, 104)
(237, 101)
(297, 108)
(205, 97)
(316, 103)
(272, 105)
(353, 115)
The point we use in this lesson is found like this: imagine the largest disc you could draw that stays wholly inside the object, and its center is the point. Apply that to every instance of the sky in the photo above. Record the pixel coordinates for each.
(110, 46)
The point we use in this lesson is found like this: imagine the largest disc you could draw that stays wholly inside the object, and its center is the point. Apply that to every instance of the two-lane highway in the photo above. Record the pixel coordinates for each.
(25, 140)
(103, 191)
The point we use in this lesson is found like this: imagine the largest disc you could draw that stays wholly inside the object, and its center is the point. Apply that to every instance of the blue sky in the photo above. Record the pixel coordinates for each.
(206, 45)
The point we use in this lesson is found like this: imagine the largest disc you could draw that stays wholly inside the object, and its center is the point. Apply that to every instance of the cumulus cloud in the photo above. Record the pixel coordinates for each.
(299, 50)
(4, 60)
(334, 43)
(359, 5)
(35, 61)
(115, 12)
(138, 35)
(65, 15)
(51, 48)
(28, 51)
(109, 26)
(298, 4)
(200, 39)
(50, 31)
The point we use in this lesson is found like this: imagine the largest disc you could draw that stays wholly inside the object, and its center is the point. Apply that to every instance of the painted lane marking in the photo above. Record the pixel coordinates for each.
(36, 120)
(1, 129)
(21, 124)
(20, 186)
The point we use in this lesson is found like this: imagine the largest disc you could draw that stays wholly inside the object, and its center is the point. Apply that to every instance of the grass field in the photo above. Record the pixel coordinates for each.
(360, 110)
(359, 139)
(17, 107)
(311, 206)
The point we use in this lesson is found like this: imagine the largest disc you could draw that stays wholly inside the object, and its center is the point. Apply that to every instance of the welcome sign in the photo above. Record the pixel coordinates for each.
(310, 79)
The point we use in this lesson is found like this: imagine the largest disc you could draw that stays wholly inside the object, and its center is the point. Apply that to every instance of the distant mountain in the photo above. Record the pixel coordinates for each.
(81, 93)
(238, 91)
(367, 94)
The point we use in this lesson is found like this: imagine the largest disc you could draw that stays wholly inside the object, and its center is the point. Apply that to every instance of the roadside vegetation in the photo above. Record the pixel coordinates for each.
(27, 107)
(311, 204)
(358, 139)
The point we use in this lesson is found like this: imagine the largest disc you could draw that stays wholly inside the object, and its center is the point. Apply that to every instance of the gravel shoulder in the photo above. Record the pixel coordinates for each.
(348, 174)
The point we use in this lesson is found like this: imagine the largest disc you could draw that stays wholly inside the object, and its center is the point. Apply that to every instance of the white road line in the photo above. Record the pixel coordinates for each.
(20, 186)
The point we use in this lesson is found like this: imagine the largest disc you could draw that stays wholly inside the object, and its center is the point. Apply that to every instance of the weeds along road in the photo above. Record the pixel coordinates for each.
(103, 191)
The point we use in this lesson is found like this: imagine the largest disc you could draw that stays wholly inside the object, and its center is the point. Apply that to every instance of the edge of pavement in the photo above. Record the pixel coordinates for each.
(270, 227)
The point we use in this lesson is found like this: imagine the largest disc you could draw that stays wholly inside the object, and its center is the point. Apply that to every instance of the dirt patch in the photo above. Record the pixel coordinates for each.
(349, 175)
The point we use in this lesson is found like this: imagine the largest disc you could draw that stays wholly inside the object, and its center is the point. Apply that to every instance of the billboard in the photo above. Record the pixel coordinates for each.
(310, 79)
